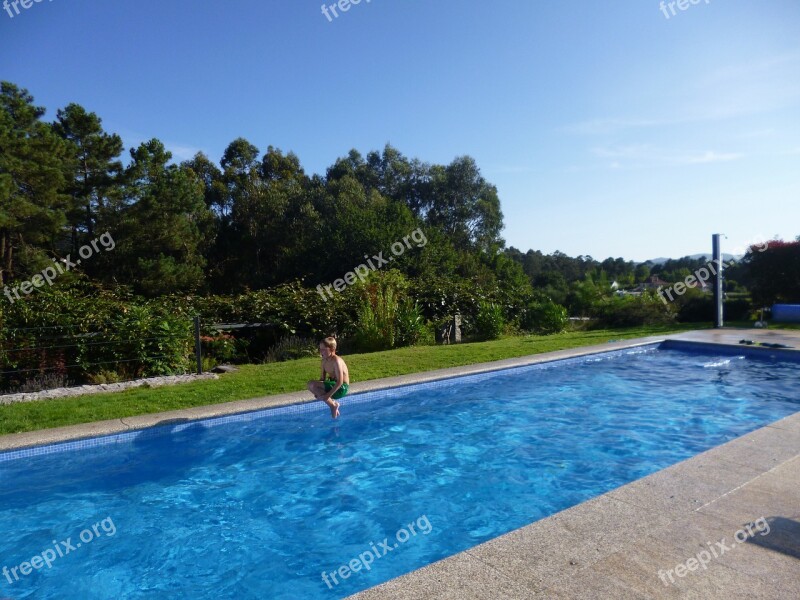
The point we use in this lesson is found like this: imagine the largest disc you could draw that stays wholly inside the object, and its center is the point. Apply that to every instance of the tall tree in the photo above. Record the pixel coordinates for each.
(398, 178)
(270, 214)
(774, 272)
(97, 169)
(161, 230)
(465, 206)
(33, 163)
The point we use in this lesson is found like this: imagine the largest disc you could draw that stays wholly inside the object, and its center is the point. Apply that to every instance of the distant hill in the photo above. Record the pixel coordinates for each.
(707, 255)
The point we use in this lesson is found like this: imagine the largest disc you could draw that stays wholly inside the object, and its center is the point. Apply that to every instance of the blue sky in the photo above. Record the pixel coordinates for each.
(608, 128)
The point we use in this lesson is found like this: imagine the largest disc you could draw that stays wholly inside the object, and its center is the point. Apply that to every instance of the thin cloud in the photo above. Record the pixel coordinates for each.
(180, 153)
(709, 157)
(611, 125)
(732, 91)
(508, 169)
(646, 155)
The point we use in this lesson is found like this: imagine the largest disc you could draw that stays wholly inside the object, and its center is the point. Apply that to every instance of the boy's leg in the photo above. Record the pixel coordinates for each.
(334, 406)
(318, 389)
(332, 403)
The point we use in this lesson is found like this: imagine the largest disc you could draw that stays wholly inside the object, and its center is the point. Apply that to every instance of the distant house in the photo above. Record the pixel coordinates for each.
(614, 286)
(653, 283)
(700, 284)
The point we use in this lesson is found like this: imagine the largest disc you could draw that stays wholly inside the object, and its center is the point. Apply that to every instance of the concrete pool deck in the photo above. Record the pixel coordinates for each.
(613, 545)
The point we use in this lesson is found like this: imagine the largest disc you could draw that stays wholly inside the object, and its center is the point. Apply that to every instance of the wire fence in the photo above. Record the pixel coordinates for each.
(39, 358)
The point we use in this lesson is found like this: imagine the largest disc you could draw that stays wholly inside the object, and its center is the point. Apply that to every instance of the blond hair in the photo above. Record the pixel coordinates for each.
(330, 343)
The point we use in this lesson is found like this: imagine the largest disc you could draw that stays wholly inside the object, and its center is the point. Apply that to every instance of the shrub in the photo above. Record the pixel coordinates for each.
(221, 347)
(489, 323)
(695, 307)
(385, 315)
(738, 309)
(147, 341)
(441, 298)
(699, 308)
(104, 376)
(411, 327)
(544, 318)
(632, 311)
(375, 326)
(42, 382)
(94, 329)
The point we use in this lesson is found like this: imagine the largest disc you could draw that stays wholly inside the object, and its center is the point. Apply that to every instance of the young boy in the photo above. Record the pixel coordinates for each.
(335, 386)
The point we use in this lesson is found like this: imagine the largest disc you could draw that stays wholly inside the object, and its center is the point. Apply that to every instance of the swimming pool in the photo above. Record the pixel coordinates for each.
(260, 505)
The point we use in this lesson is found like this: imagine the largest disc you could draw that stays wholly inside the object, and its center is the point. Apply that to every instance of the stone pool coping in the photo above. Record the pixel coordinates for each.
(613, 545)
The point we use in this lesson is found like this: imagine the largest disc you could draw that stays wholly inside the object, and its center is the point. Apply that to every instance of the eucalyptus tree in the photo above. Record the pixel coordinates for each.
(464, 206)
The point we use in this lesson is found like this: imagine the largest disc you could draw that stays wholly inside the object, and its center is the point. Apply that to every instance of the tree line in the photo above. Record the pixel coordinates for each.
(250, 222)
(256, 220)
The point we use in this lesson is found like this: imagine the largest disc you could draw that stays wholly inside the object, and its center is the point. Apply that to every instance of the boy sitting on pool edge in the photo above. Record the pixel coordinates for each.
(332, 388)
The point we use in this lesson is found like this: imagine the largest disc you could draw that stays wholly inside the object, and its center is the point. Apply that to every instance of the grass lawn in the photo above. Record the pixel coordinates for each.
(255, 381)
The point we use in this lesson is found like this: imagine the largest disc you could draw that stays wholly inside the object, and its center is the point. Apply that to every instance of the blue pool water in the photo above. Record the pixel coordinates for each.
(259, 505)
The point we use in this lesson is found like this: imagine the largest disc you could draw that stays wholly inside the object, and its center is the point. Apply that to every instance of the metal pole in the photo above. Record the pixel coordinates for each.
(198, 352)
(717, 260)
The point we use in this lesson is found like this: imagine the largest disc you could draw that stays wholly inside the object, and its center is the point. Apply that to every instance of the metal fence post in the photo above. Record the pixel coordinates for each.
(198, 352)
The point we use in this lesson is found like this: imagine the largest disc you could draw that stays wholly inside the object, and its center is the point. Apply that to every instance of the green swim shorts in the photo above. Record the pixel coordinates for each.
(340, 393)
